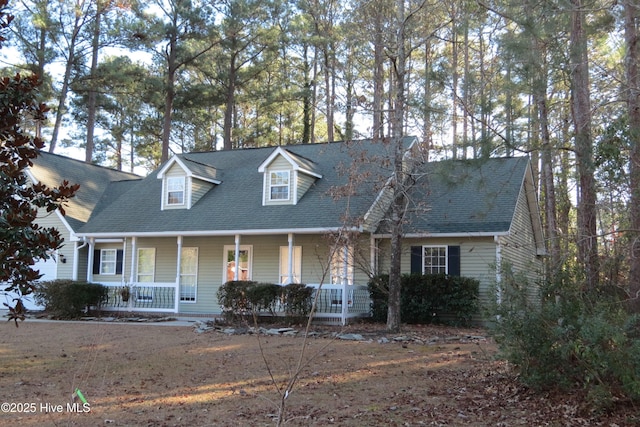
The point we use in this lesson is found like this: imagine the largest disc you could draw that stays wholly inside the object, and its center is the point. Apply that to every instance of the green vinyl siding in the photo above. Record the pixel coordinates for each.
(110, 278)
(198, 189)
(519, 250)
(304, 182)
(51, 219)
(477, 258)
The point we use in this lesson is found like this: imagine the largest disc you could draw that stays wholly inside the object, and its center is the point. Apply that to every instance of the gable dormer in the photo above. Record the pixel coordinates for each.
(184, 182)
(286, 177)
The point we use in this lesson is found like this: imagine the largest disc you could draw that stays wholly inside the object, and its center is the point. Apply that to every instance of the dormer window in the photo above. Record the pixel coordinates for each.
(175, 190)
(286, 177)
(279, 185)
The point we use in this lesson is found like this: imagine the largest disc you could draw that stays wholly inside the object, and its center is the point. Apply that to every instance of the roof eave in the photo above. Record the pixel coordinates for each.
(214, 233)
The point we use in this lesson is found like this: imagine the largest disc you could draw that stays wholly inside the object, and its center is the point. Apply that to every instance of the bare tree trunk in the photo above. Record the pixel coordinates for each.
(229, 105)
(378, 81)
(329, 89)
(581, 111)
(632, 21)
(307, 99)
(398, 206)
(466, 98)
(454, 82)
(314, 95)
(172, 68)
(66, 80)
(549, 187)
(91, 105)
(428, 95)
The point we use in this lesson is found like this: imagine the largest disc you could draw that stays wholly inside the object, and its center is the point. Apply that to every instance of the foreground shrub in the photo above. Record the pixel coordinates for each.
(428, 298)
(244, 298)
(571, 338)
(296, 298)
(70, 299)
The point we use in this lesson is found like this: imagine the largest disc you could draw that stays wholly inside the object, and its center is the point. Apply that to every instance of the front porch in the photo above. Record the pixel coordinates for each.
(157, 297)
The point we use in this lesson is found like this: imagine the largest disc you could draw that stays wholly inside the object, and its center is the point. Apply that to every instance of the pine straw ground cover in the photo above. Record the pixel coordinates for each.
(152, 375)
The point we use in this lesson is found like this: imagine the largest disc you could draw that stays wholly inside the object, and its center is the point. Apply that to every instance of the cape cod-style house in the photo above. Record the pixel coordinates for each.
(312, 214)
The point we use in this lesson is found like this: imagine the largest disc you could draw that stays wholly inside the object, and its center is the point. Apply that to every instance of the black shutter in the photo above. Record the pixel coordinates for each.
(96, 261)
(453, 260)
(416, 259)
(119, 256)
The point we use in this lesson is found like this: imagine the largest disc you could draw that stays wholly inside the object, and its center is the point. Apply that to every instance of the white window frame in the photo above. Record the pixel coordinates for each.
(232, 248)
(438, 266)
(114, 263)
(284, 265)
(193, 274)
(272, 186)
(172, 181)
(146, 274)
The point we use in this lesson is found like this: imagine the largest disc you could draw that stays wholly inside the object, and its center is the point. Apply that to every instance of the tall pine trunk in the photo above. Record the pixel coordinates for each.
(398, 206)
(91, 105)
(632, 18)
(581, 112)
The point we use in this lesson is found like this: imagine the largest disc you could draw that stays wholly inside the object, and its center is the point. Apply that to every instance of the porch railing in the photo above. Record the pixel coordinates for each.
(330, 304)
(161, 297)
(143, 297)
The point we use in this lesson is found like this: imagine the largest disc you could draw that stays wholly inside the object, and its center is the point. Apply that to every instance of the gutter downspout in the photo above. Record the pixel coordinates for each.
(76, 255)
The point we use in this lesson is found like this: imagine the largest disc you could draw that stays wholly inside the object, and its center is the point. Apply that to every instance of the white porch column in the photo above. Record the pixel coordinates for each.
(178, 268)
(236, 267)
(373, 256)
(290, 259)
(345, 282)
(134, 259)
(92, 246)
(74, 268)
(498, 243)
(124, 262)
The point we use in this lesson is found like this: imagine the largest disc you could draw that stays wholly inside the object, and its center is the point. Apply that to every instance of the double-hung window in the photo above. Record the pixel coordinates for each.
(434, 260)
(175, 190)
(188, 274)
(108, 258)
(279, 185)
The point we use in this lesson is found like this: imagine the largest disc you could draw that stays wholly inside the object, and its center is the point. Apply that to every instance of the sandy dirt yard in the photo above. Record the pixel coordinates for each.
(167, 375)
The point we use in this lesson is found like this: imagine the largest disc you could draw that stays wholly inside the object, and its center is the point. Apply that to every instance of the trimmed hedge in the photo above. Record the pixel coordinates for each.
(69, 299)
(428, 298)
(243, 298)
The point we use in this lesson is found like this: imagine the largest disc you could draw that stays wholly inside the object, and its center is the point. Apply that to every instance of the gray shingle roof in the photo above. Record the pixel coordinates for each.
(52, 170)
(460, 196)
(466, 196)
(236, 203)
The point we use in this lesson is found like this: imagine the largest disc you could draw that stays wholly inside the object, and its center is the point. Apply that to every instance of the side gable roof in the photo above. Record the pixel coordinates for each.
(235, 206)
(457, 197)
(52, 170)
